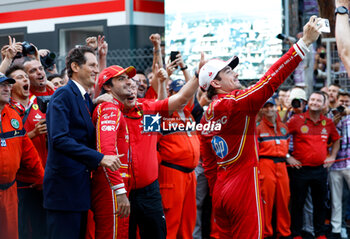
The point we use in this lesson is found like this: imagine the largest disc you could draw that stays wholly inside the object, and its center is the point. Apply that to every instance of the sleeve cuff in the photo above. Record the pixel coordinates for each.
(301, 48)
(120, 191)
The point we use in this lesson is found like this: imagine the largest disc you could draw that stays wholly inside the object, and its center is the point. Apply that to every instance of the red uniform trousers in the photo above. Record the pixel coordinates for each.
(233, 198)
(104, 207)
(8, 213)
(178, 190)
(275, 192)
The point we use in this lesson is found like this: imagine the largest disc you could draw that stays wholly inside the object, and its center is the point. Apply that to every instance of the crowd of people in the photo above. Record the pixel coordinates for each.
(78, 158)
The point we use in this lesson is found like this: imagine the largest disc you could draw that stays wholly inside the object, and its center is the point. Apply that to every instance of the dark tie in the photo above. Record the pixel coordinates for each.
(88, 101)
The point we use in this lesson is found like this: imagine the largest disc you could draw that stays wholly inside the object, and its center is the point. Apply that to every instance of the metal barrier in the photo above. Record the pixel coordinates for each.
(332, 58)
(140, 58)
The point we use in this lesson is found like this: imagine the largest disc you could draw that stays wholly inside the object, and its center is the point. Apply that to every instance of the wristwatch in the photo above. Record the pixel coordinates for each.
(184, 68)
(341, 10)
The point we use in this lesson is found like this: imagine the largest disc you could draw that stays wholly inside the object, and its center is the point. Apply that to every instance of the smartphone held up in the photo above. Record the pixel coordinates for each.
(325, 28)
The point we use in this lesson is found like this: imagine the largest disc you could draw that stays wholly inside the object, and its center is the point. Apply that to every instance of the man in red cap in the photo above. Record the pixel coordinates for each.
(110, 204)
(230, 156)
(145, 200)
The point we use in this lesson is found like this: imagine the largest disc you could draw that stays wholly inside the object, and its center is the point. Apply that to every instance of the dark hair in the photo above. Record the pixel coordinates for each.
(320, 93)
(211, 90)
(108, 82)
(140, 72)
(335, 84)
(26, 59)
(13, 68)
(76, 55)
(63, 72)
(50, 77)
(283, 88)
(343, 93)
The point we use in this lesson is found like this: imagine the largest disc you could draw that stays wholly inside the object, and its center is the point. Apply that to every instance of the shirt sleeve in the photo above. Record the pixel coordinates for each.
(31, 159)
(252, 99)
(291, 125)
(108, 124)
(334, 135)
(160, 106)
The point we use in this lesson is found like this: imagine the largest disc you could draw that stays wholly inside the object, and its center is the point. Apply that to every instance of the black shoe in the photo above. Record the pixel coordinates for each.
(287, 237)
(307, 235)
(333, 235)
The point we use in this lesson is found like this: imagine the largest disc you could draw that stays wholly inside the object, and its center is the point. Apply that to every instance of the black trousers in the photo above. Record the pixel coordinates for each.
(66, 224)
(31, 213)
(147, 213)
(300, 180)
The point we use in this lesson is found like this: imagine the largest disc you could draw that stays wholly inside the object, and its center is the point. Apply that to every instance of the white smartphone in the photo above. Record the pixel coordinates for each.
(324, 25)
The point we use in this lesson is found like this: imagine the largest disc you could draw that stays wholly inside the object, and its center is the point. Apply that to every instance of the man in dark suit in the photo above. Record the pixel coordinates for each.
(71, 146)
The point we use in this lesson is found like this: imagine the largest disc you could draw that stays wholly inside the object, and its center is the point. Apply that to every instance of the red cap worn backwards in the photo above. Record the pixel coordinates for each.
(114, 71)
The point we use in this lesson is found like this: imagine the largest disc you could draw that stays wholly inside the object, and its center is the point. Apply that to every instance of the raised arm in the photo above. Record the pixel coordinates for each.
(180, 99)
(342, 34)
(8, 52)
(157, 58)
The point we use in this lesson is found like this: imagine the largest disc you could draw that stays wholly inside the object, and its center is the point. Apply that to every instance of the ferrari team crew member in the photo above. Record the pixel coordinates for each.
(311, 133)
(110, 203)
(31, 213)
(273, 148)
(16, 150)
(230, 155)
(145, 200)
(179, 156)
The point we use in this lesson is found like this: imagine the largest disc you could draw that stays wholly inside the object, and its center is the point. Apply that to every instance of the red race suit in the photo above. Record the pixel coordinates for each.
(112, 138)
(230, 154)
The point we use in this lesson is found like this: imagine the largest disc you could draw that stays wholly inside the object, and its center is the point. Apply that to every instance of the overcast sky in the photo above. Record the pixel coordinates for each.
(257, 8)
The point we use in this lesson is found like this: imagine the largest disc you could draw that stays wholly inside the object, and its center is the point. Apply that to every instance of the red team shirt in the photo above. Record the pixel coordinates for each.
(39, 141)
(143, 145)
(308, 136)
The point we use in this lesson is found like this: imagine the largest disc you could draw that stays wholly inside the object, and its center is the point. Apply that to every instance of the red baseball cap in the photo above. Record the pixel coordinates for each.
(114, 71)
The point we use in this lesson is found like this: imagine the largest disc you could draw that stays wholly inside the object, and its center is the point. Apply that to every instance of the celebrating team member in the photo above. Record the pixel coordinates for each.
(110, 204)
(230, 155)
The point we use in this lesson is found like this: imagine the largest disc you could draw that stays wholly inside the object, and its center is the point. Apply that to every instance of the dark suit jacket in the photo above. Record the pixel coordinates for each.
(72, 154)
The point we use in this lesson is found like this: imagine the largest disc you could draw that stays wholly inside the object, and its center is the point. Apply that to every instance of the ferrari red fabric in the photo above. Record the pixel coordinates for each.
(16, 150)
(39, 141)
(273, 148)
(178, 188)
(112, 139)
(308, 136)
(230, 155)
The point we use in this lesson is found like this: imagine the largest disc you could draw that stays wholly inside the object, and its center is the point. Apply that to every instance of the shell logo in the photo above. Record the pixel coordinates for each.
(304, 129)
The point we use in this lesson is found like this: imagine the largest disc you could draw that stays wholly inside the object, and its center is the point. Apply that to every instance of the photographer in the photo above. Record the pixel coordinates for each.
(320, 64)
(48, 61)
(340, 170)
(298, 104)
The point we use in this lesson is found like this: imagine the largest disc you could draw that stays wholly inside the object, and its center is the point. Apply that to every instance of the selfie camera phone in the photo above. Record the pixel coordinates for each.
(173, 55)
(324, 26)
